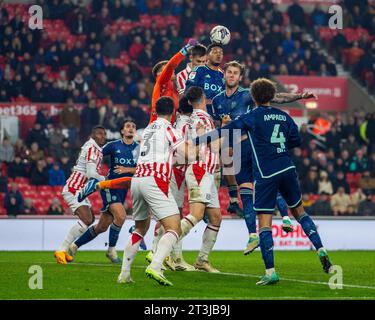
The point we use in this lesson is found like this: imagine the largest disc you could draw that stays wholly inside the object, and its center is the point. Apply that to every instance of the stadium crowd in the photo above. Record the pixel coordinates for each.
(100, 65)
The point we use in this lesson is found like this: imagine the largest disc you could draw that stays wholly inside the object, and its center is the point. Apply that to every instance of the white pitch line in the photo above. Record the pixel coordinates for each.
(222, 273)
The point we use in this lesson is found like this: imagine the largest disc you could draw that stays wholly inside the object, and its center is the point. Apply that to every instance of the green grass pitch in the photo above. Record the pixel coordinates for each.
(91, 276)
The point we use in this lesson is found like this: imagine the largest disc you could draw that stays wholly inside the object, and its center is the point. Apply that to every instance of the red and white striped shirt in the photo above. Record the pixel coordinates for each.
(207, 159)
(159, 140)
(181, 79)
(90, 153)
(181, 125)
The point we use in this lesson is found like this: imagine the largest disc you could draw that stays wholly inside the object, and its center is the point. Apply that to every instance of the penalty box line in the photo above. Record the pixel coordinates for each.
(225, 273)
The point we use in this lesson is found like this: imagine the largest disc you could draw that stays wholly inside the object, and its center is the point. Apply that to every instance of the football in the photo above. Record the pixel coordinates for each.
(220, 34)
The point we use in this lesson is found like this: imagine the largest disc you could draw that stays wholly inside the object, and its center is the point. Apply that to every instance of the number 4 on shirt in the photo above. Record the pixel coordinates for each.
(278, 136)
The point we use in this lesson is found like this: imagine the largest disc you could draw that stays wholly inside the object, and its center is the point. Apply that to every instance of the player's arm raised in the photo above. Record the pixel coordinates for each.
(285, 97)
(173, 63)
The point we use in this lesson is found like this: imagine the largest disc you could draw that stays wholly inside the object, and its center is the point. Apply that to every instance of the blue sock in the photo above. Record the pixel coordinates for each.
(86, 237)
(114, 232)
(248, 210)
(266, 246)
(233, 195)
(281, 205)
(309, 227)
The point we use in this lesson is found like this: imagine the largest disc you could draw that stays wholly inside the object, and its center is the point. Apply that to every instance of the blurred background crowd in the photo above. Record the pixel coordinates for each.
(99, 55)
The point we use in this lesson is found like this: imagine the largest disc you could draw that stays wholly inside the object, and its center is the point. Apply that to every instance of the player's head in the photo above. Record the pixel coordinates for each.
(184, 107)
(196, 97)
(99, 134)
(164, 107)
(215, 54)
(128, 129)
(158, 68)
(198, 55)
(263, 91)
(233, 72)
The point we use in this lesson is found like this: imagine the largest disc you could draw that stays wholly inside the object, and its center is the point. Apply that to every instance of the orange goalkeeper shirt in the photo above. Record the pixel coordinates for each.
(165, 87)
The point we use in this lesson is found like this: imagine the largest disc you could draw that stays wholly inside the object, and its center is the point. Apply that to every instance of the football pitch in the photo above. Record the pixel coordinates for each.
(91, 276)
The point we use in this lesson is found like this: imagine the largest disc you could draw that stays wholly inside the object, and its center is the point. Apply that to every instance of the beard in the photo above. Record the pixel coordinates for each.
(231, 86)
(216, 64)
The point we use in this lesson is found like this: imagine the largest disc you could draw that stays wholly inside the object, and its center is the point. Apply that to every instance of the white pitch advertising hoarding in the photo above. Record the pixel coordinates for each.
(47, 234)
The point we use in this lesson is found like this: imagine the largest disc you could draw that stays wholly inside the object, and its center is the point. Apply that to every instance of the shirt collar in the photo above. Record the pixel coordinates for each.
(95, 144)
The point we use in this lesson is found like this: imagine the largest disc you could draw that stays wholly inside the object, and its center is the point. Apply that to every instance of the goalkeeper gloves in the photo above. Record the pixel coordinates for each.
(185, 50)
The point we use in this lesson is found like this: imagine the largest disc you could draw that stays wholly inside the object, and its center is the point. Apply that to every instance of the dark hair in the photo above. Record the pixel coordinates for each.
(184, 106)
(235, 64)
(164, 106)
(194, 94)
(157, 67)
(213, 45)
(263, 90)
(126, 120)
(98, 127)
(198, 51)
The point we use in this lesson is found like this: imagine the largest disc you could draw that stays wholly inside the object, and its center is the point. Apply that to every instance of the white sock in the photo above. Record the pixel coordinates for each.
(208, 241)
(187, 224)
(130, 251)
(177, 250)
(270, 271)
(74, 233)
(164, 249)
(158, 233)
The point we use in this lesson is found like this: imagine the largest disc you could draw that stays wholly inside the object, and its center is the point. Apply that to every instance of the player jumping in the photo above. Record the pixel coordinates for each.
(123, 153)
(202, 192)
(87, 166)
(272, 134)
(235, 101)
(210, 78)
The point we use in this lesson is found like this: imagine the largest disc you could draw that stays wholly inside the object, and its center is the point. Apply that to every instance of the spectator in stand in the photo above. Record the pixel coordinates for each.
(356, 197)
(35, 154)
(89, 118)
(340, 202)
(324, 184)
(78, 83)
(56, 176)
(70, 119)
(367, 183)
(311, 185)
(352, 145)
(12, 207)
(3, 183)
(371, 164)
(307, 202)
(343, 162)
(370, 128)
(66, 166)
(333, 138)
(39, 174)
(56, 139)
(298, 159)
(43, 118)
(359, 162)
(340, 181)
(17, 168)
(29, 208)
(65, 150)
(305, 136)
(38, 135)
(20, 149)
(322, 206)
(367, 206)
(112, 47)
(55, 208)
(6, 151)
(296, 14)
(137, 114)
(16, 194)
